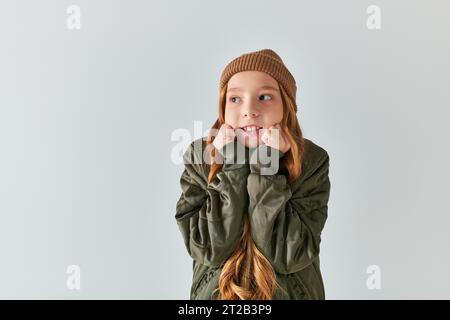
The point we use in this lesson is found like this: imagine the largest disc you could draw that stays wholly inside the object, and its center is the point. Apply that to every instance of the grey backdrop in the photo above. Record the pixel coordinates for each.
(86, 117)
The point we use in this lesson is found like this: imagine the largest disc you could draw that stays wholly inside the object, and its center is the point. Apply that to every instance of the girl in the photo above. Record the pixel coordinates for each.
(253, 227)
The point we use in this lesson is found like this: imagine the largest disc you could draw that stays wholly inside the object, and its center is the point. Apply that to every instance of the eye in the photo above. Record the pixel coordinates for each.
(266, 96)
(233, 97)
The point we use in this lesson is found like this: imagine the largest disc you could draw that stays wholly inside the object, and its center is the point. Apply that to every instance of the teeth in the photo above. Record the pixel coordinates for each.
(251, 128)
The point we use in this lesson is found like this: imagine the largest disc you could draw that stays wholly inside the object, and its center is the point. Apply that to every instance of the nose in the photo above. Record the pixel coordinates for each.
(249, 110)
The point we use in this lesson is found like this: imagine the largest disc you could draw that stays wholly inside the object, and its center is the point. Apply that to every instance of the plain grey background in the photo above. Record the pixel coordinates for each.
(86, 118)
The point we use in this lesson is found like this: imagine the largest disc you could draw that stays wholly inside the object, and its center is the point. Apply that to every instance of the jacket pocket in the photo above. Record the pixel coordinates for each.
(204, 279)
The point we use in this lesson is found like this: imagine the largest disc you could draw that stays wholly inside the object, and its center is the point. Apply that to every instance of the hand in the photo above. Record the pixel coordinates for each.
(274, 137)
(225, 135)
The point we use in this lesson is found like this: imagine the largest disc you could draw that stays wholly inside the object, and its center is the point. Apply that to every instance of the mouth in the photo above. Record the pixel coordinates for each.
(251, 129)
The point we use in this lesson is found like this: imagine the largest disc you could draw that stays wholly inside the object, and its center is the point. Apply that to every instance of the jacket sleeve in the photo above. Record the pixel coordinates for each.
(210, 215)
(286, 225)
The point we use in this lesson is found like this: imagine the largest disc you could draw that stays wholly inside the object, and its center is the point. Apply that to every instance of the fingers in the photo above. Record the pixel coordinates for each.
(265, 139)
(228, 130)
(270, 129)
(224, 135)
(272, 136)
(225, 127)
(275, 126)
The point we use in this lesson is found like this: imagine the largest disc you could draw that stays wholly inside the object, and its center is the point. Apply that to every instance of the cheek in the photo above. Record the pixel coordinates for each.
(231, 116)
(275, 115)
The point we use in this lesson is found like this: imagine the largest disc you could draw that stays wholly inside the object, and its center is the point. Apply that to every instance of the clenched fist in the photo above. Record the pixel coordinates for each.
(225, 135)
(274, 137)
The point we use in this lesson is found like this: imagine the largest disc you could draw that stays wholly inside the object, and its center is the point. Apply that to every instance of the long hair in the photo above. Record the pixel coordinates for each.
(248, 274)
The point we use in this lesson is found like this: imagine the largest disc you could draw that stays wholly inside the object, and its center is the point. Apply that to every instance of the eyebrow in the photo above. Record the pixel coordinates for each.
(263, 87)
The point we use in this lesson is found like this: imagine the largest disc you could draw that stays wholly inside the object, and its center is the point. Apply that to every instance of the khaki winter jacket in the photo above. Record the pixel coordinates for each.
(286, 221)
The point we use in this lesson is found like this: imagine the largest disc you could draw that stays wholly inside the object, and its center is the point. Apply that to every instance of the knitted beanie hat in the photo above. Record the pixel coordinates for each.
(267, 61)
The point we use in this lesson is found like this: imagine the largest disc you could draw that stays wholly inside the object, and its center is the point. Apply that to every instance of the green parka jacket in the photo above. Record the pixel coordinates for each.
(285, 221)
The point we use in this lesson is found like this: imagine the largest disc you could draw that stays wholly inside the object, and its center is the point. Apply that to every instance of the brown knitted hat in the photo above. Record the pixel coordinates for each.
(267, 61)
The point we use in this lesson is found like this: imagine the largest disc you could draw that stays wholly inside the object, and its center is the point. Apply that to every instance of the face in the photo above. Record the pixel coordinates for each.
(253, 98)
